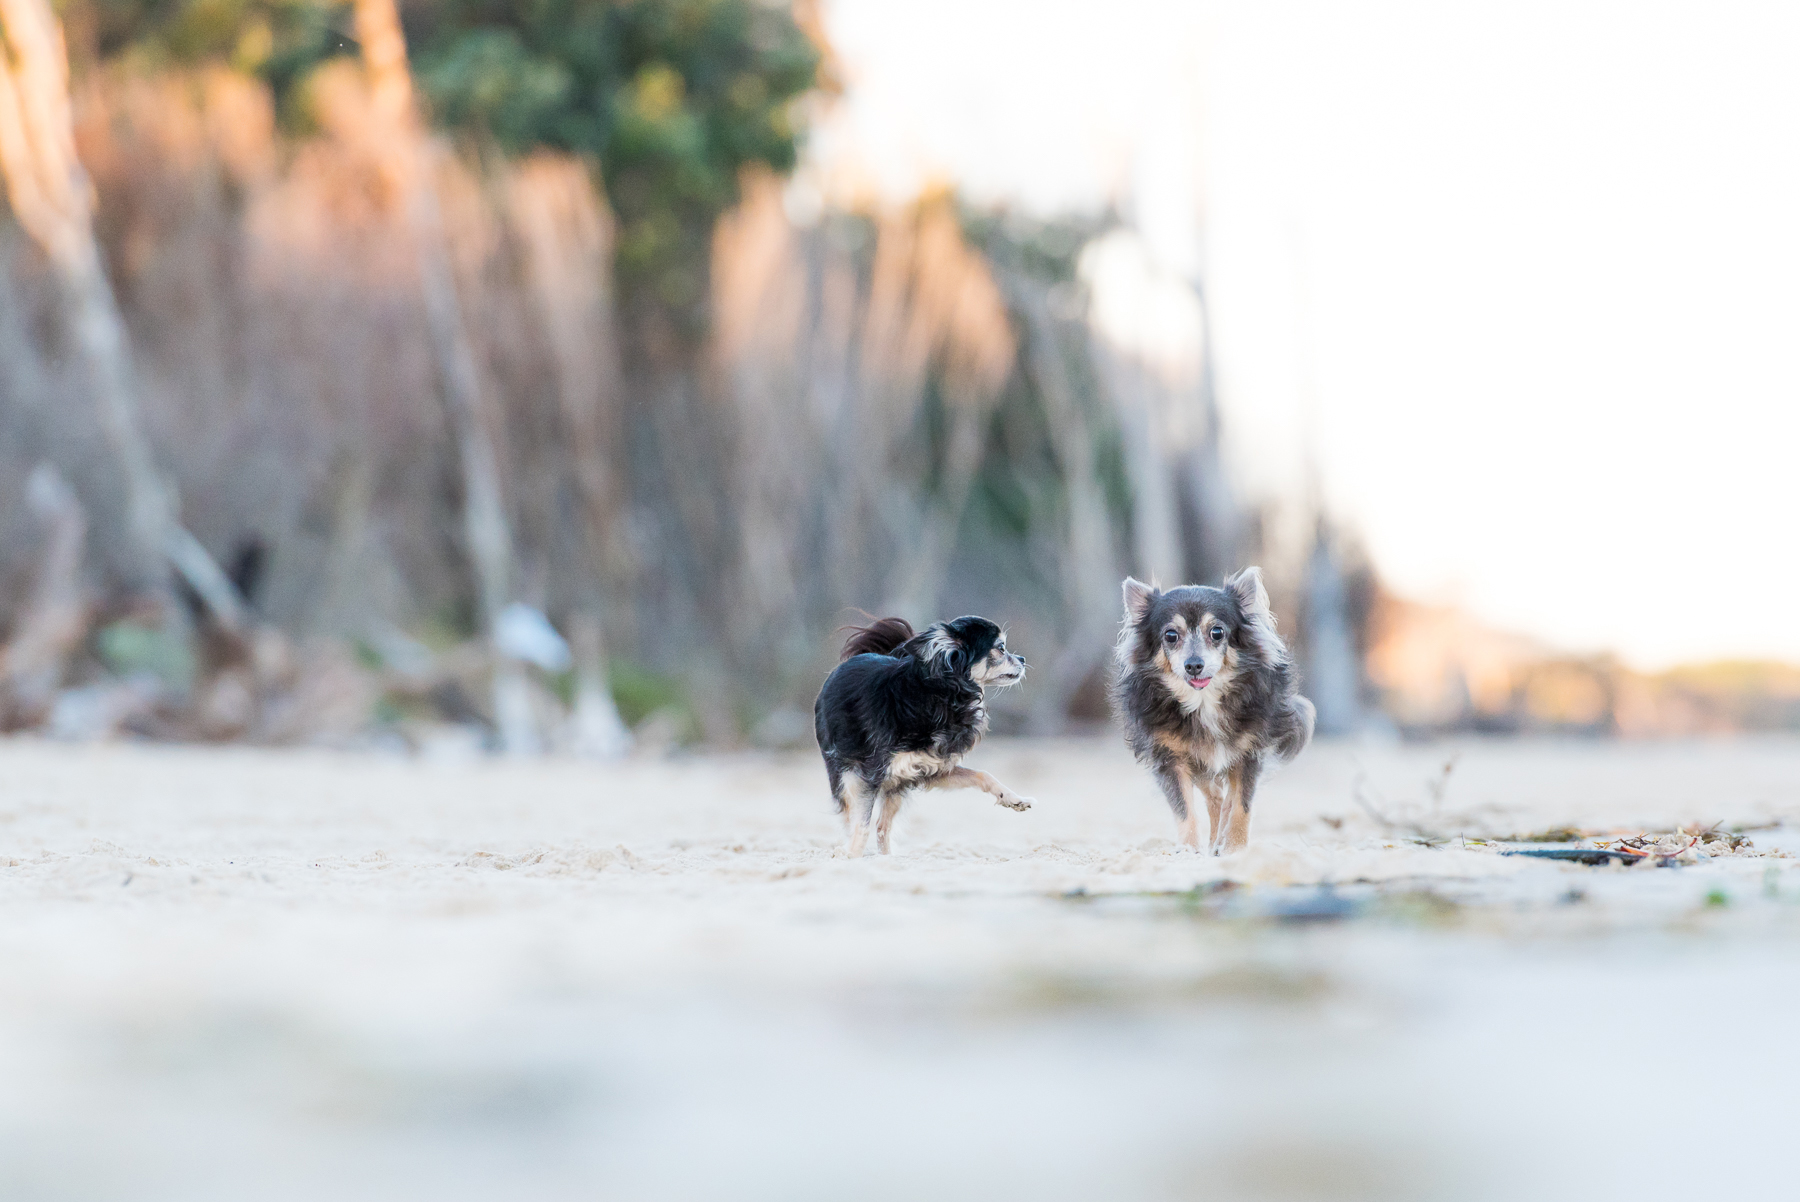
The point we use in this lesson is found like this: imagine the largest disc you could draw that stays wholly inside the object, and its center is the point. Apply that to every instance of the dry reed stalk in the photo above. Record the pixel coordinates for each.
(827, 377)
(1139, 399)
(963, 321)
(760, 330)
(1088, 570)
(566, 233)
(562, 223)
(409, 160)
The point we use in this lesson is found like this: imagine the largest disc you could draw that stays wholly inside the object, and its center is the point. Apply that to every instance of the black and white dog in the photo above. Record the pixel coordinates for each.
(1208, 694)
(901, 709)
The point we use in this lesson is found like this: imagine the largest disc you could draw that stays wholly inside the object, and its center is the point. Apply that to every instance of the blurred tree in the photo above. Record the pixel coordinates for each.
(668, 99)
(1036, 265)
(407, 157)
(671, 98)
(51, 197)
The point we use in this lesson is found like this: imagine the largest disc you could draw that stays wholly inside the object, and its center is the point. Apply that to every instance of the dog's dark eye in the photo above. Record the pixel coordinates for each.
(1218, 633)
(1171, 636)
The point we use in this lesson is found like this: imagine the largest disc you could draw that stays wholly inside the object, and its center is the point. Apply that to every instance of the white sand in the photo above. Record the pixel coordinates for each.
(238, 974)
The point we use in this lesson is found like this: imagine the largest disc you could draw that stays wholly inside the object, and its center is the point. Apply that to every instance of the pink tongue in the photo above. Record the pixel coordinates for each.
(1199, 682)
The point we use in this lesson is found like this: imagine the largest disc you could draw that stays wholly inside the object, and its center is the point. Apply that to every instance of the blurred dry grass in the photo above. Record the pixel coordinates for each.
(865, 438)
(911, 409)
(1437, 668)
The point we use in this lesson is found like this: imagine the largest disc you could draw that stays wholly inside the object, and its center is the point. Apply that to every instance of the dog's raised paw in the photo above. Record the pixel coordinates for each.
(1013, 801)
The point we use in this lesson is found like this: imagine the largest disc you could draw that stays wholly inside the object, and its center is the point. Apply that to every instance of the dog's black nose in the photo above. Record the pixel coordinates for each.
(1195, 667)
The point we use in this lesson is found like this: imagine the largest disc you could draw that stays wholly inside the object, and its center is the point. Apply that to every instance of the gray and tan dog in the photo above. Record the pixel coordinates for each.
(1208, 694)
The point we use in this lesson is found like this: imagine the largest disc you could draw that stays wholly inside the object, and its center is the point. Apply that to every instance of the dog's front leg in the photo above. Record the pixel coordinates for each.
(968, 778)
(1233, 832)
(860, 796)
(1178, 790)
(1213, 789)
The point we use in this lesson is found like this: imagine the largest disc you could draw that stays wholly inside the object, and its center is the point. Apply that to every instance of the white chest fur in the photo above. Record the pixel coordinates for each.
(1208, 744)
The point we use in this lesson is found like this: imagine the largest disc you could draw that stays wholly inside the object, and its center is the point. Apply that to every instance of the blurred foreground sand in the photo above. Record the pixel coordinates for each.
(248, 974)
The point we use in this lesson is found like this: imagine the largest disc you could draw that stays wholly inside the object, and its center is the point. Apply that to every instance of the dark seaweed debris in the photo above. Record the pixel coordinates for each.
(1589, 855)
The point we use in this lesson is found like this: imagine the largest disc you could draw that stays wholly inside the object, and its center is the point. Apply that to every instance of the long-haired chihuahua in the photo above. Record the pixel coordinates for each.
(901, 709)
(1208, 694)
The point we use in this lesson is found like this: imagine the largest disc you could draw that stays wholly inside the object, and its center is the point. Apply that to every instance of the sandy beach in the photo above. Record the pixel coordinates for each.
(257, 974)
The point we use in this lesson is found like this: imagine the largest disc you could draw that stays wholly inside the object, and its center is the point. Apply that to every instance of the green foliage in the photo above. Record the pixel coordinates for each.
(129, 649)
(367, 657)
(672, 98)
(276, 40)
(1043, 249)
(639, 692)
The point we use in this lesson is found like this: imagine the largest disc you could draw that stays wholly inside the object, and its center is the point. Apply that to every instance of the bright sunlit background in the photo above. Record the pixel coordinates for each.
(428, 530)
(1523, 276)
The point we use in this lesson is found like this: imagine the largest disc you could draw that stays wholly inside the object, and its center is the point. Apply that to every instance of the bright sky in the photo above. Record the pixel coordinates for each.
(1533, 266)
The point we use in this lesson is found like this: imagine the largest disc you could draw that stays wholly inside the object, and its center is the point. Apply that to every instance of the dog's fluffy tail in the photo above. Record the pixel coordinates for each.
(1299, 732)
(883, 636)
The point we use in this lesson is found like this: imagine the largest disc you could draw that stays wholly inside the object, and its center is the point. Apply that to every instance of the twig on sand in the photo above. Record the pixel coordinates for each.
(1441, 782)
(1359, 794)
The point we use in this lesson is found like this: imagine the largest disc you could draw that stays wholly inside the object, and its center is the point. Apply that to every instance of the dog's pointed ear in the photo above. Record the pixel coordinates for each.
(1138, 597)
(1247, 589)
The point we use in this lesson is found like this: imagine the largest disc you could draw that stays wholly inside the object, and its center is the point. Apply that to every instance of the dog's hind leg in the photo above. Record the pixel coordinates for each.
(835, 775)
(860, 796)
(890, 807)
